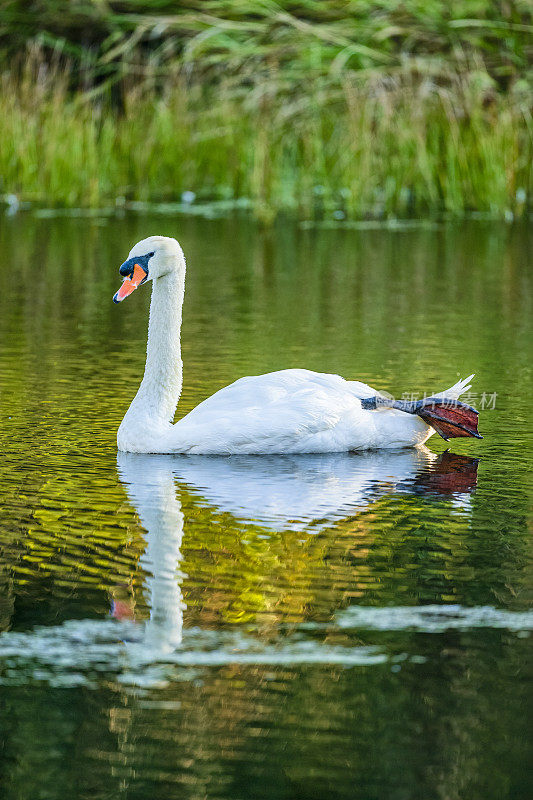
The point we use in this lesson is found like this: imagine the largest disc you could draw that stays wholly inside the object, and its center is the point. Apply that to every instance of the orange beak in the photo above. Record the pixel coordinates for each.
(130, 283)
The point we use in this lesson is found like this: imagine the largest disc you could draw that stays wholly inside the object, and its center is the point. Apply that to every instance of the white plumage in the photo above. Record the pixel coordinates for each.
(291, 411)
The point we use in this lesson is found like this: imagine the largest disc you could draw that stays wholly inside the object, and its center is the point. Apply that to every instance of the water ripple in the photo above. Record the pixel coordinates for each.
(71, 653)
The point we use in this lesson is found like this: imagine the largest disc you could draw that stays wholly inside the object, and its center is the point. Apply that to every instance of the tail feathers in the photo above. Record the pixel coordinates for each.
(455, 391)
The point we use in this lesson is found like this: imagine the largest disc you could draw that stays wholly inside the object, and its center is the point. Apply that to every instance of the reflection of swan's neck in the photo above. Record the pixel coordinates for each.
(153, 407)
(164, 524)
(151, 490)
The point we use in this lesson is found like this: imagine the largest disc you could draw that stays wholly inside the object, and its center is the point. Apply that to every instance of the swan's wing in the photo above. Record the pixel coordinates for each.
(257, 389)
(274, 412)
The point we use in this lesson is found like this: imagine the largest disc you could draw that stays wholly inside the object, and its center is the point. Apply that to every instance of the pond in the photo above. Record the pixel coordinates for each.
(340, 626)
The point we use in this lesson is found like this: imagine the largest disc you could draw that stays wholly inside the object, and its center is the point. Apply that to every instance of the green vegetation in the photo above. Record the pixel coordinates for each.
(316, 107)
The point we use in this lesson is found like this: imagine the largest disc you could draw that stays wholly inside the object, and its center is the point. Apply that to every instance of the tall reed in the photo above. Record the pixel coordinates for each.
(367, 149)
(315, 107)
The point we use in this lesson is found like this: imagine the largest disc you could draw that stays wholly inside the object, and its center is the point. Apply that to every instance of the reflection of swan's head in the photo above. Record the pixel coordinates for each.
(149, 259)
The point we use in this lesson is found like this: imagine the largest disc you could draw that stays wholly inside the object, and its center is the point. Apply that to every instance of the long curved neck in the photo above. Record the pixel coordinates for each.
(156, 400)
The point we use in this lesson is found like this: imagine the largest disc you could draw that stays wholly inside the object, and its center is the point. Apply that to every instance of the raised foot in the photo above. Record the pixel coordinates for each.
(451, 419)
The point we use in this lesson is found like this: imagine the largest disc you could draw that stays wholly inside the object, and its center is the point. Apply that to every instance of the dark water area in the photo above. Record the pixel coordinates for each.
(341, 626)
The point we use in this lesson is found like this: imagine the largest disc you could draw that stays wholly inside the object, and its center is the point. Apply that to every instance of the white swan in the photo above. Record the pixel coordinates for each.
(290, 411)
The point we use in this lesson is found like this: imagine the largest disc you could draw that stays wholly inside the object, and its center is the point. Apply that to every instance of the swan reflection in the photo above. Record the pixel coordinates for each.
(303, 493)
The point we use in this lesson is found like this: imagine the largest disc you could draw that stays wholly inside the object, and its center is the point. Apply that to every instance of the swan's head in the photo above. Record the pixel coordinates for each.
(150, 258)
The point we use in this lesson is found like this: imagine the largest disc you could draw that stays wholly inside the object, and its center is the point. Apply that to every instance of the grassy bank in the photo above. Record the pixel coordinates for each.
(353, 108)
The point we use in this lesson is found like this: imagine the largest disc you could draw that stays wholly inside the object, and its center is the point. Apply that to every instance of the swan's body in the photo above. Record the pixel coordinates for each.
(291, 411)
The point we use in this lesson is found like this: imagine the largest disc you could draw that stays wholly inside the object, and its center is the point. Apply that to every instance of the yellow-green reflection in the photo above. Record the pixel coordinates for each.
(404, 310)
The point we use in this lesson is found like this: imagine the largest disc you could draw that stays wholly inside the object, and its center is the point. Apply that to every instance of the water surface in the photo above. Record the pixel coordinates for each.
(344, 626)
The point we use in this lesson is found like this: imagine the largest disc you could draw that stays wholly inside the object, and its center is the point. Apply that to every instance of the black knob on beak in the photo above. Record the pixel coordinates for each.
(126, 268)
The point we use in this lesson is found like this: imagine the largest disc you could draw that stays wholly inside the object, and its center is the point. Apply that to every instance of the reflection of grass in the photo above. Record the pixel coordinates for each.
(318, 108)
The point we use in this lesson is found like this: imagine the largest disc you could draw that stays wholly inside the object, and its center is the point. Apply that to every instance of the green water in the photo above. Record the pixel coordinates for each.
(346, 626)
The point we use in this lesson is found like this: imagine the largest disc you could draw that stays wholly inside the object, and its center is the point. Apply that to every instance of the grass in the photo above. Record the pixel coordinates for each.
(352, 109)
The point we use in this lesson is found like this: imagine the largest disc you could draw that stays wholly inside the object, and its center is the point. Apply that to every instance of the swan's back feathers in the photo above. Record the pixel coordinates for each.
(361, 390)
(291, 411)
(260, 412)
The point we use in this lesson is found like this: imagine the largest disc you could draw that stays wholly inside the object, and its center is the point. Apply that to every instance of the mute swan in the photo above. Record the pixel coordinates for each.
(290, 411)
